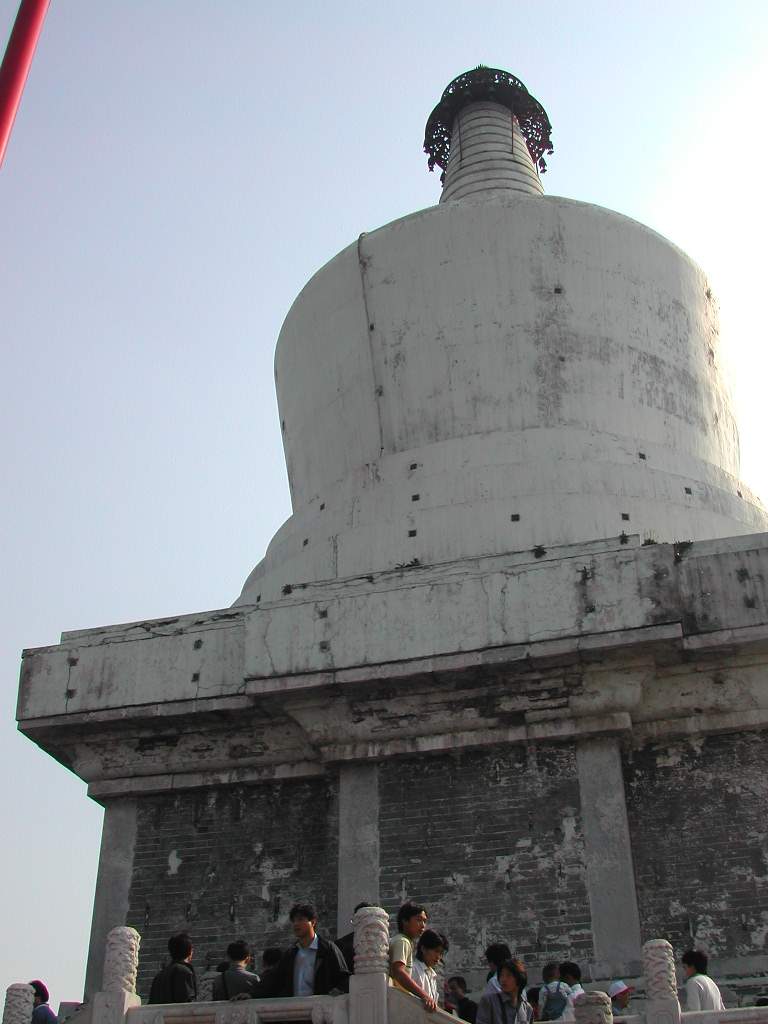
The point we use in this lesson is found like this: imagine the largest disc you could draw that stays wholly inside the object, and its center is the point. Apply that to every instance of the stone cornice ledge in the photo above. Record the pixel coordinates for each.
(618, 724)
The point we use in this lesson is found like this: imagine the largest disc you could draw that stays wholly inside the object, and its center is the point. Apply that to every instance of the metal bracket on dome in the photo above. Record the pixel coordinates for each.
(497, 87)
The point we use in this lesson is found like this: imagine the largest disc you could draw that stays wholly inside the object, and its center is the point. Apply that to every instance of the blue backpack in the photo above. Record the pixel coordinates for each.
(555, 1004)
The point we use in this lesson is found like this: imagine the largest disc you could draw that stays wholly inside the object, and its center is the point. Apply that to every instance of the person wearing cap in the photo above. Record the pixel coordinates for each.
(619, 992)
(42, 1013)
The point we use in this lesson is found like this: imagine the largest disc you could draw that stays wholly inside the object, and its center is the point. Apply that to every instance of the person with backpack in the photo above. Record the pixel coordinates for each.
(509, 1006)
(236, 979)
(177, 982)
(554, 994)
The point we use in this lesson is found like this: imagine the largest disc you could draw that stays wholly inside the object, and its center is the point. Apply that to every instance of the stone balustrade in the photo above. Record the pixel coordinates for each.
(19, 1001)
(370, 999)
(314, 1009)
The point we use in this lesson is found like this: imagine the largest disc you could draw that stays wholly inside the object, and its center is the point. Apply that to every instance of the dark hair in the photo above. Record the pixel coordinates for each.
(238, 950)
(761, 1001)
(497, 953)
(180, 946)
(430, 940)
(549, 972)
(407, 911)
(696, 959)
(460, 982)
(517, 969)
(571, 969)
(302, 910)
(271, 956)
(532, 995)
(40, 990)
(360, 906)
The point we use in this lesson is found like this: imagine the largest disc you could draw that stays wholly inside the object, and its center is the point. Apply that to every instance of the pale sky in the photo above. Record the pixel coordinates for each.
(177, 170)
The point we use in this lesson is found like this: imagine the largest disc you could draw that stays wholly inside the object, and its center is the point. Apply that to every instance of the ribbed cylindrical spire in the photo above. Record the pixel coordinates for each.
(488, 155)
(489, 136)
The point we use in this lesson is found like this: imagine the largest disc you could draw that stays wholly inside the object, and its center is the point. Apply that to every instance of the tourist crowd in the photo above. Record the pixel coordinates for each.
(313, 965)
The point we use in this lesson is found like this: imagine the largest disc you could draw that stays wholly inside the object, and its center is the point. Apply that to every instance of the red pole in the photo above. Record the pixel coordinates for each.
(16, 63)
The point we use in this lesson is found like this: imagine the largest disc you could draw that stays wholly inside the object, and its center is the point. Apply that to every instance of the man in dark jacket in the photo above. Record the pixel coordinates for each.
(312, 967)
(456, 994)
(177, 982)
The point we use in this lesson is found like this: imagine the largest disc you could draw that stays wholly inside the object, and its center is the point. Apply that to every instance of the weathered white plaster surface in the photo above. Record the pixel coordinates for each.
(486, 376)
(659, 641)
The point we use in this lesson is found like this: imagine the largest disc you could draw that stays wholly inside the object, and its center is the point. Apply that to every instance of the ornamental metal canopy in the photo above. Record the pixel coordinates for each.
(498, 87)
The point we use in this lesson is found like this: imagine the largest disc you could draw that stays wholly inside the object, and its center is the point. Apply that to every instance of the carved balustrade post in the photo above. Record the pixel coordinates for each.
(121, 960)
(19, 1003)
(121, 963)
(662, 1006)
(593, 1008)
(368, 985)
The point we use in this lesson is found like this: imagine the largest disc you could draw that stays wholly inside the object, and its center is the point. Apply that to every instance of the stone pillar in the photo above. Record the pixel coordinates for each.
(358, 840)
(19, 1003)
(593, 1008)
(662, 1005)
(113, 884)
(121, 962)
(118, 994)
(610, 874)
(368, 985)
(205, 986)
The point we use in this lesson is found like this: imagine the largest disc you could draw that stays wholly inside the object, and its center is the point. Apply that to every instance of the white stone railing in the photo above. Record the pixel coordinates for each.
(370, 999)
(738, 1015)
(314, 1009)
(403, 1008)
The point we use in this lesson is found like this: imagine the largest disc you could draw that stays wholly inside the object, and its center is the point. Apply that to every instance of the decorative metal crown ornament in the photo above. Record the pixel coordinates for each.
(498, 87)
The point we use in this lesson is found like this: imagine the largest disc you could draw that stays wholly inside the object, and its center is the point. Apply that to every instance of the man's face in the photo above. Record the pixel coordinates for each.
(454, 990)
(689, 970)
(415, 925)
(303, 929)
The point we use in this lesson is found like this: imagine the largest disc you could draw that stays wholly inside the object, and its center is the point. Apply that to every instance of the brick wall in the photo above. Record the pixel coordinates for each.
(228, 863)
(491, 842)
(697, 815)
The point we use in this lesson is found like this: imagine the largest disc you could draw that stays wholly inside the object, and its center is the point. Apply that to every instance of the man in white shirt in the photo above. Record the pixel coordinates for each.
(701, 993)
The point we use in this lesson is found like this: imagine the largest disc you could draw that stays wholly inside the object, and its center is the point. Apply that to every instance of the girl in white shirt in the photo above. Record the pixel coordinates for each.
(429, 952)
